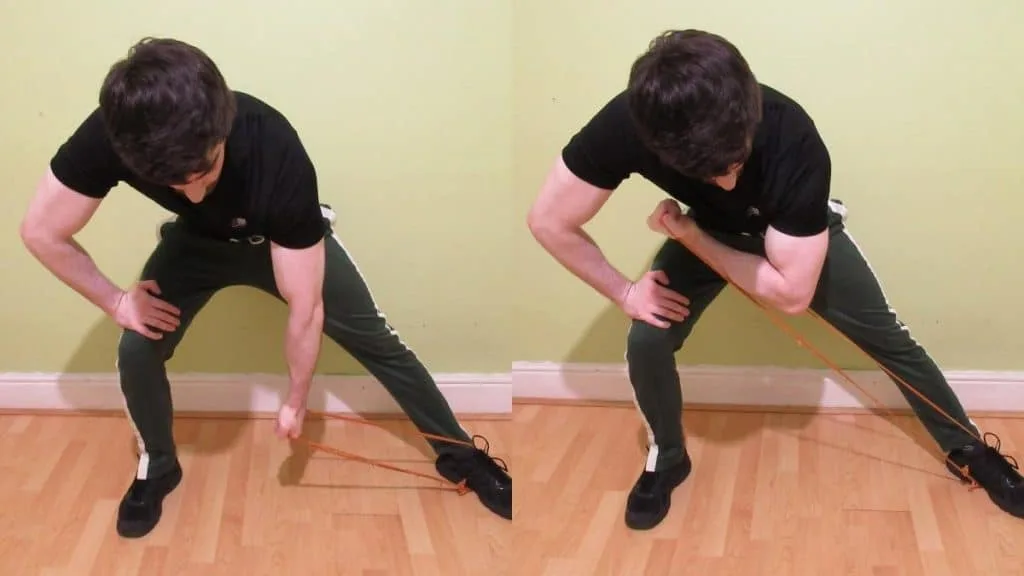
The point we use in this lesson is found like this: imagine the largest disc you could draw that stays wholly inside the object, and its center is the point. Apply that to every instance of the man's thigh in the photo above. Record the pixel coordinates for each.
(688, 275)
(851, 298)
(347, 293)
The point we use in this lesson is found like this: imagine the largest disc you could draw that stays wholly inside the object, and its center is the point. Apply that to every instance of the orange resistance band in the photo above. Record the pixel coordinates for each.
(801, 341)
(460, 488)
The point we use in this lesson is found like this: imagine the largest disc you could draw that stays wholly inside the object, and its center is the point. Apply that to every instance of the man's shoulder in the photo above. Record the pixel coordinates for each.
(787, 129)
(262, 130)
(86, 160)
(93, 129)
(610, 127)
(614, 114)
(254, 114)
(606, 149)
(785, 115)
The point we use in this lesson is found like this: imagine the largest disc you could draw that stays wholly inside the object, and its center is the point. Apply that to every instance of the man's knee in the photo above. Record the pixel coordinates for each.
(134, 349)
(645, 340)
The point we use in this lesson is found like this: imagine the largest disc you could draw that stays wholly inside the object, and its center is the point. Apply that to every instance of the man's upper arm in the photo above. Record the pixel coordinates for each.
(565, 200)
(86, 161)
(296, 229)
(296, 220)
(57, 212)
(799, 259)
(595, 161)
(297, 248)
(81, 173)
(796, 241)
(299, 274)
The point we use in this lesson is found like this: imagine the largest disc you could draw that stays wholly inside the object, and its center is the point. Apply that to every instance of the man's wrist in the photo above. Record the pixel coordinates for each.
(112, 302)
(622, 294)
(695, 239)
(297, 396)
(691, 233)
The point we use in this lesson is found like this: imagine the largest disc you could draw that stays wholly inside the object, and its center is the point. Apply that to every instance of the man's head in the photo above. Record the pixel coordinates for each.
(168, 111)
(696, 104)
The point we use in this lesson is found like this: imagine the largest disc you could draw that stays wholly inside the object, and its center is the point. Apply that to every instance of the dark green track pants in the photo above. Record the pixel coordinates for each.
(849, 297)
(189, 269)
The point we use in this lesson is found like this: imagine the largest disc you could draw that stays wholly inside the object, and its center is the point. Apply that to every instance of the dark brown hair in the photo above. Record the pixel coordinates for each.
(165, 106)
(695, 102)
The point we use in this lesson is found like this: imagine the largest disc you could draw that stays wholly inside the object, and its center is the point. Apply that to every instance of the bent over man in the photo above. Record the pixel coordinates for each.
(755, 174)
(235, 173)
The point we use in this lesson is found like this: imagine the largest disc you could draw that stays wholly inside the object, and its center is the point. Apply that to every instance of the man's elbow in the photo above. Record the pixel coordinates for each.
(305, 313)
(796, 302)
(535, 221)
(546, 227)
(33, 236)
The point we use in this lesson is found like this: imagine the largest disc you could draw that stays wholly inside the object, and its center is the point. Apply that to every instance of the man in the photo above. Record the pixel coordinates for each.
(751, 167)
(245, 193)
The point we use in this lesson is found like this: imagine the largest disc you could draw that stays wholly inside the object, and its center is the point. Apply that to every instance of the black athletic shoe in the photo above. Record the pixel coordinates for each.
(482, 474)
(995, 473)
(142, 504)
(651, 497)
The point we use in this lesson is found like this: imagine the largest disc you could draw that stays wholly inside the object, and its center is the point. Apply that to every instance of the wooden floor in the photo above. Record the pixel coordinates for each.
(247, 503)
(769, 495)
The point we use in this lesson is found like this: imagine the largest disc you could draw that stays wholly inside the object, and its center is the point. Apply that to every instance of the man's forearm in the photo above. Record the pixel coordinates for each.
(751, 272)
(578, 253)
(302, 348)
(68, 261)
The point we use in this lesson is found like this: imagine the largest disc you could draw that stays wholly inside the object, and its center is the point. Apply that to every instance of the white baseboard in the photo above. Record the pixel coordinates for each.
(988, 391)
(248, 393)
(762, 386)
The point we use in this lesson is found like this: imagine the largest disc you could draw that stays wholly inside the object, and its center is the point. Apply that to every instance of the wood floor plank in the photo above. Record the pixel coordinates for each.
(248, 502)
(770, 494)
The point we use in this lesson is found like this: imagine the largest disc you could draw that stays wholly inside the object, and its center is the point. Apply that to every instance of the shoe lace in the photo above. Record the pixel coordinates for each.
(1007, 464)
(494, 463)
(1004, 464)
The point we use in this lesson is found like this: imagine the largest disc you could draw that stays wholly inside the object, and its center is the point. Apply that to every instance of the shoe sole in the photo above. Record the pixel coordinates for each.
(640, 526)
(132, 531)
(1010, 508)
(648, 523)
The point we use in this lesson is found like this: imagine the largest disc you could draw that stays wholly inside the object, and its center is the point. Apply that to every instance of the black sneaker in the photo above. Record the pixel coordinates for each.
(482, 474)
(142, 504)
(983, 465)
(651, 497)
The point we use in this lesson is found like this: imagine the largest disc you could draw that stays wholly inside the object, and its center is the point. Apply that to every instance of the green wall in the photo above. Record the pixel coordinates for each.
(405, 108)
(920, 105)
(433, 124)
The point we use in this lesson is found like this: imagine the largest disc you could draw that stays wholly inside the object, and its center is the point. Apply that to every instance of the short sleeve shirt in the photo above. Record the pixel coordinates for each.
(267, 186)
(784, 184)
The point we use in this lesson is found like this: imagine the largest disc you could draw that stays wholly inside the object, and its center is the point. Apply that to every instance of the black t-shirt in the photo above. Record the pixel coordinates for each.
(267, 185)
(784, 183)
